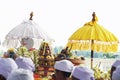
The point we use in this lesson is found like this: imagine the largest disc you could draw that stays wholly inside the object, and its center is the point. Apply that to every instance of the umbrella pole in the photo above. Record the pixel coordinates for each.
(92, 42)
(91, 59)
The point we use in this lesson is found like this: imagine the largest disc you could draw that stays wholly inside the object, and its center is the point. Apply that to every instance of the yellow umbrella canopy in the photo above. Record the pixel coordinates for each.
(94, 37)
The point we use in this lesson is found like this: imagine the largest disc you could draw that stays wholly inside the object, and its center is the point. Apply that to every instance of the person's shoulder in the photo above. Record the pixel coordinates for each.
(116, 63)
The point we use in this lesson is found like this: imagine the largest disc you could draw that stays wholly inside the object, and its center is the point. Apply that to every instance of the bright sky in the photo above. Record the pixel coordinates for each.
(59, 18)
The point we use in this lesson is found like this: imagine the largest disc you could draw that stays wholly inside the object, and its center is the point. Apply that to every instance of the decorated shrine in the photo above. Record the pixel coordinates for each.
(46, 59)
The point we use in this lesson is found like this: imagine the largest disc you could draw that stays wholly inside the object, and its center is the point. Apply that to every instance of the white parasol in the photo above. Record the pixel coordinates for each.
(27, 30)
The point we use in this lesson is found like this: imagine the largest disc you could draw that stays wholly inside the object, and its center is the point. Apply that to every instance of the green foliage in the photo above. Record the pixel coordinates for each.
(34, 56)
(101, 75)
(23, 51)
(31, 53)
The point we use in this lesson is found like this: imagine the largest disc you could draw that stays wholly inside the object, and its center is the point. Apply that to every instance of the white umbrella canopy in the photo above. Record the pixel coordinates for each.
(27, 29)
(8, 43)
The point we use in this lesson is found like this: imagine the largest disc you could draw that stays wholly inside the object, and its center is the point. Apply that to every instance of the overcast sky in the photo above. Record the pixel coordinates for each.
(59, 18)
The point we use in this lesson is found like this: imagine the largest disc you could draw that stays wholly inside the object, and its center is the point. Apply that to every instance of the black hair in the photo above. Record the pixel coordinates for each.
(74, 78)
(82, 58)
(2, 77)
(62, 56)
(66, 74)
(12, 55)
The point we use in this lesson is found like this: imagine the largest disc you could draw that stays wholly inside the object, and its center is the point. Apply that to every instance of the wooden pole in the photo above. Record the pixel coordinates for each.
(92, 53)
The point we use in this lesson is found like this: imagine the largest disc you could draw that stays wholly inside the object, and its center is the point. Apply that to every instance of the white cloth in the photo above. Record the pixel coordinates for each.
(64, 65)
(6, 66)
(83, 73)
(116, 63)
(116, 74)
(21, 74)
(25, 63)
(27, 29)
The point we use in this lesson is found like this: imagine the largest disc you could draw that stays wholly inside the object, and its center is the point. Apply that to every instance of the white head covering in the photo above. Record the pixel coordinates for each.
(25, 63)
(6, 66)
(21, 74)
(116, 74)
(116, 63)
(64, 65)
(83, 73)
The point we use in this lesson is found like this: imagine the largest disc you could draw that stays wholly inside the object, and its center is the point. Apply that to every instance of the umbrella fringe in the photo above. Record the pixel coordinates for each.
(97, 46)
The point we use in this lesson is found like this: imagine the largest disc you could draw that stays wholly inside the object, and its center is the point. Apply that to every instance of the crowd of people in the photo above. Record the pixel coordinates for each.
(16, 67)
(12, 70)
(66, 70)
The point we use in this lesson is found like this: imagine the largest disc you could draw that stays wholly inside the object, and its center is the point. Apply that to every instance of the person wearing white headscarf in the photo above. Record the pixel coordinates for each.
(82, 73)
(25, 63)
(116, 74)
(63, 69)
(21, 74)
(114, 66)
(6, 66)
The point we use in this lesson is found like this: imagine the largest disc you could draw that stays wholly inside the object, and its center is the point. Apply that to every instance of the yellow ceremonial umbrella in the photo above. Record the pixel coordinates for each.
(94, 37)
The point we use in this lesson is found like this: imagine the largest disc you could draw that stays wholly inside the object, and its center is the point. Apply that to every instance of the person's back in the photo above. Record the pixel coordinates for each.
(6, 67)
(116, 74)
(114, 66)
(25, 63)
(21, 74)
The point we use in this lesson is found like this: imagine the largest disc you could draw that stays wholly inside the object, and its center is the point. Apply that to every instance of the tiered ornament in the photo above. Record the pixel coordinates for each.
(46, 58)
